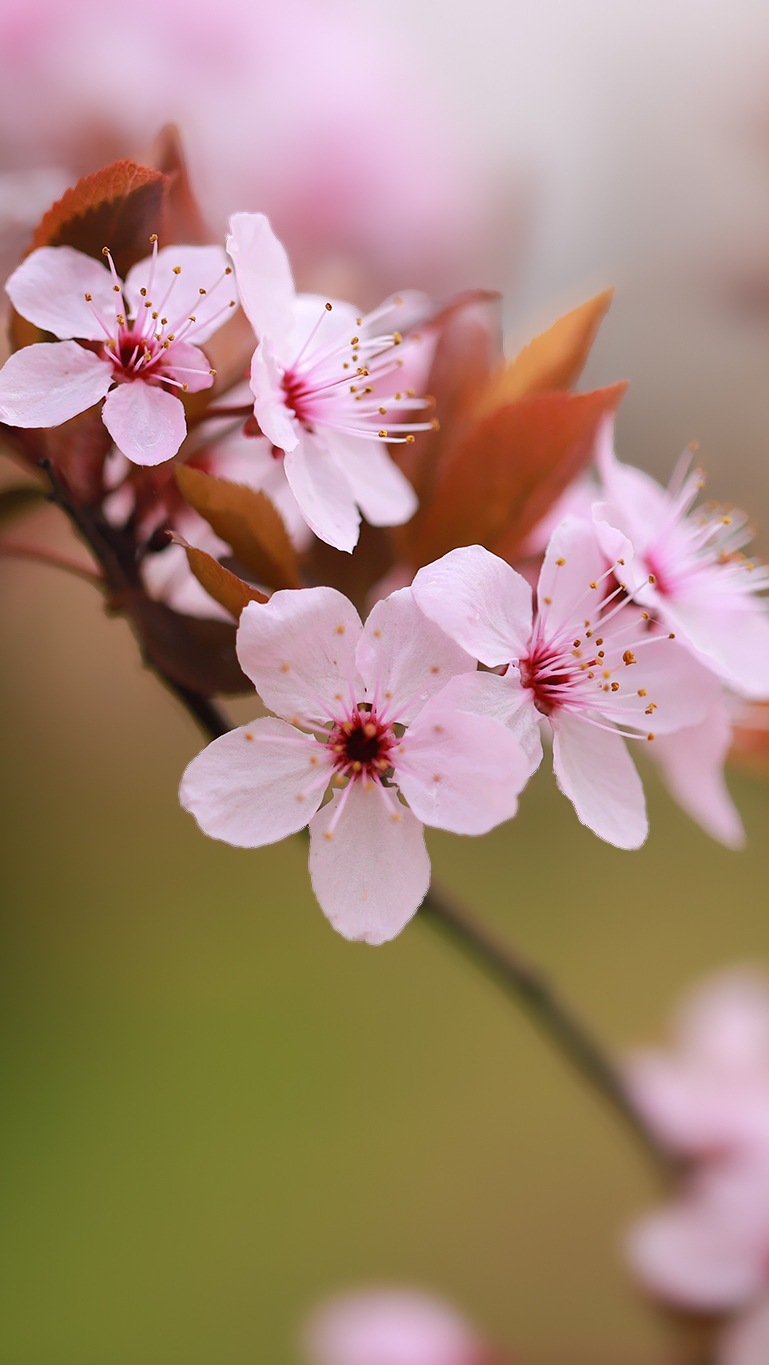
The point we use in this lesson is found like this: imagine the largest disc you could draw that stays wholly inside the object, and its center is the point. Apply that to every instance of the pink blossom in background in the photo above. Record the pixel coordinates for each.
(686, 565)
(369, 707)
(328, 389)
(365, 176)
(146, 328)
(582, 665)
(390, 1327)
(707, 1250)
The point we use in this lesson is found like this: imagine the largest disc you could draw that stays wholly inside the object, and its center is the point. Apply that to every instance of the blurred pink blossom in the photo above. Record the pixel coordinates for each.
(390, 1327)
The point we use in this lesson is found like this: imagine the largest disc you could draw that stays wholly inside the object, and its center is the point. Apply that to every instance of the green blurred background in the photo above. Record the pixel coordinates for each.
(216, 1111)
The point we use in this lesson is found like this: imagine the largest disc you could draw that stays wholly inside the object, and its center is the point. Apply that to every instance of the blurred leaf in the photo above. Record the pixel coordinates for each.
(184, 223)
(750, 738)
(248, 521)
(553, 360)
(15, 501)
(352, 574)
(199, 654)
(225, 587)
(508, 471)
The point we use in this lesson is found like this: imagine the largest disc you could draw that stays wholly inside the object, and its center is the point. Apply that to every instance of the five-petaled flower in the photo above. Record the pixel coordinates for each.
(317, 377)
(366, 709)
(144, 329)
(687, 566)
(586, 663)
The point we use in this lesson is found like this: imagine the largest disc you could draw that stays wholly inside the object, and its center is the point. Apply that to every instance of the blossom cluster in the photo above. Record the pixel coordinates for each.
(430, 705)
(707, 1252)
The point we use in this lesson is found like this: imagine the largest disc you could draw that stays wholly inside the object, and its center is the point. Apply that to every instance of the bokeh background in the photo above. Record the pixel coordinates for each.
(215, 1111)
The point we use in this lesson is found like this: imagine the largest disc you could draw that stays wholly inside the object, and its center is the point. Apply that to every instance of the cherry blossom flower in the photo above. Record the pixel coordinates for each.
(708, 1099)
(318, 378)
(145, 330)
(691, 765)
(390, 1327)
(687, 566)
(361, 708)
(586, 665)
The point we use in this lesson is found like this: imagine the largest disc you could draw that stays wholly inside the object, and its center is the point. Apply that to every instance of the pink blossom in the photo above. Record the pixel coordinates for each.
(585, 665)
(691, 765)
(362, 708)
(707, 1250)
(688, 568)
(318, 378)
(145, 329)
(390, 1327)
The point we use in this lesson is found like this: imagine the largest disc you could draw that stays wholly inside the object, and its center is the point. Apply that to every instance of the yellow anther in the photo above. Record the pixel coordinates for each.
(177, 270)
(560, 562)
(88, 298)
(642, 691)
(154, 238)
(410, 441)
(383, 432)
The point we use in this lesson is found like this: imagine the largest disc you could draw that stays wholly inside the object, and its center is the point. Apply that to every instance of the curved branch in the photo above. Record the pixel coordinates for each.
(40, 555)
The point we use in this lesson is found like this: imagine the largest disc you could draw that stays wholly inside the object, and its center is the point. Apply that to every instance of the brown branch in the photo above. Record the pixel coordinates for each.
(38, 554)
(564, 1030)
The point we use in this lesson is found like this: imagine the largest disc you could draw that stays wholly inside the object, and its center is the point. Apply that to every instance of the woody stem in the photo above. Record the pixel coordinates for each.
(517, 978)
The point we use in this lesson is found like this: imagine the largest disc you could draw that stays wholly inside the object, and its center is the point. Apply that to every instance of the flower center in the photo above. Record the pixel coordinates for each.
(545, 675)
(362, 745)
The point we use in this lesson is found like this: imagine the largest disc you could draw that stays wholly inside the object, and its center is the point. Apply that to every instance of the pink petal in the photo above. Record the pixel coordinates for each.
(504, 700)
(323, 493)
(50, 286)
(390, 1327)
(371, 873)
(642, 505)
(596, 772)
(687, 1260)
(46, 384)
(270, 408)
(479, 601)
(255, 785)
(264, 278)
(145, 422)
(189, 365)
(202, 267)
(682, 689)
(732, 636)
(746, 1341)
(724, 1024)
(458, 771)
(404, 659)
(383, 493)
(573, 560)
(299, 651)
(692, 766)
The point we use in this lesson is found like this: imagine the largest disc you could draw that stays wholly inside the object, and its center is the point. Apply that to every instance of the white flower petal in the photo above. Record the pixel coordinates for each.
(573, 560)
(480, 601)
(596, 772)
(373, 873)
(502, 699)
(179, 296)
(145, 422)
(299, 651)
(460, 771)
(255, 785)
(404, 658)
(46, 384)
(264, 279)
(681, 689)
(692, 766)
(50, 286)
(383, 493)
(270, 409)
(323, 492)
(733, 637)
(189, 365)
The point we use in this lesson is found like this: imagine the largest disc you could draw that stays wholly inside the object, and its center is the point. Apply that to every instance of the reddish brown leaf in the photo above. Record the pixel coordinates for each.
(505, 475)
(553, 360)
(119, 206)
(225, 587)
(184, 222)
(248, 521)
(198, 654)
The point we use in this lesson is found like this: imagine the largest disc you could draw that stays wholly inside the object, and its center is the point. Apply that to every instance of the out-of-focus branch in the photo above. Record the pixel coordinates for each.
(38, 554)
(555, 1019)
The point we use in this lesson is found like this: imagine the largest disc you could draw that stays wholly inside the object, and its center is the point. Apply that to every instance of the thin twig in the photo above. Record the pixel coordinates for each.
(38, 554)
(554, 1018)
